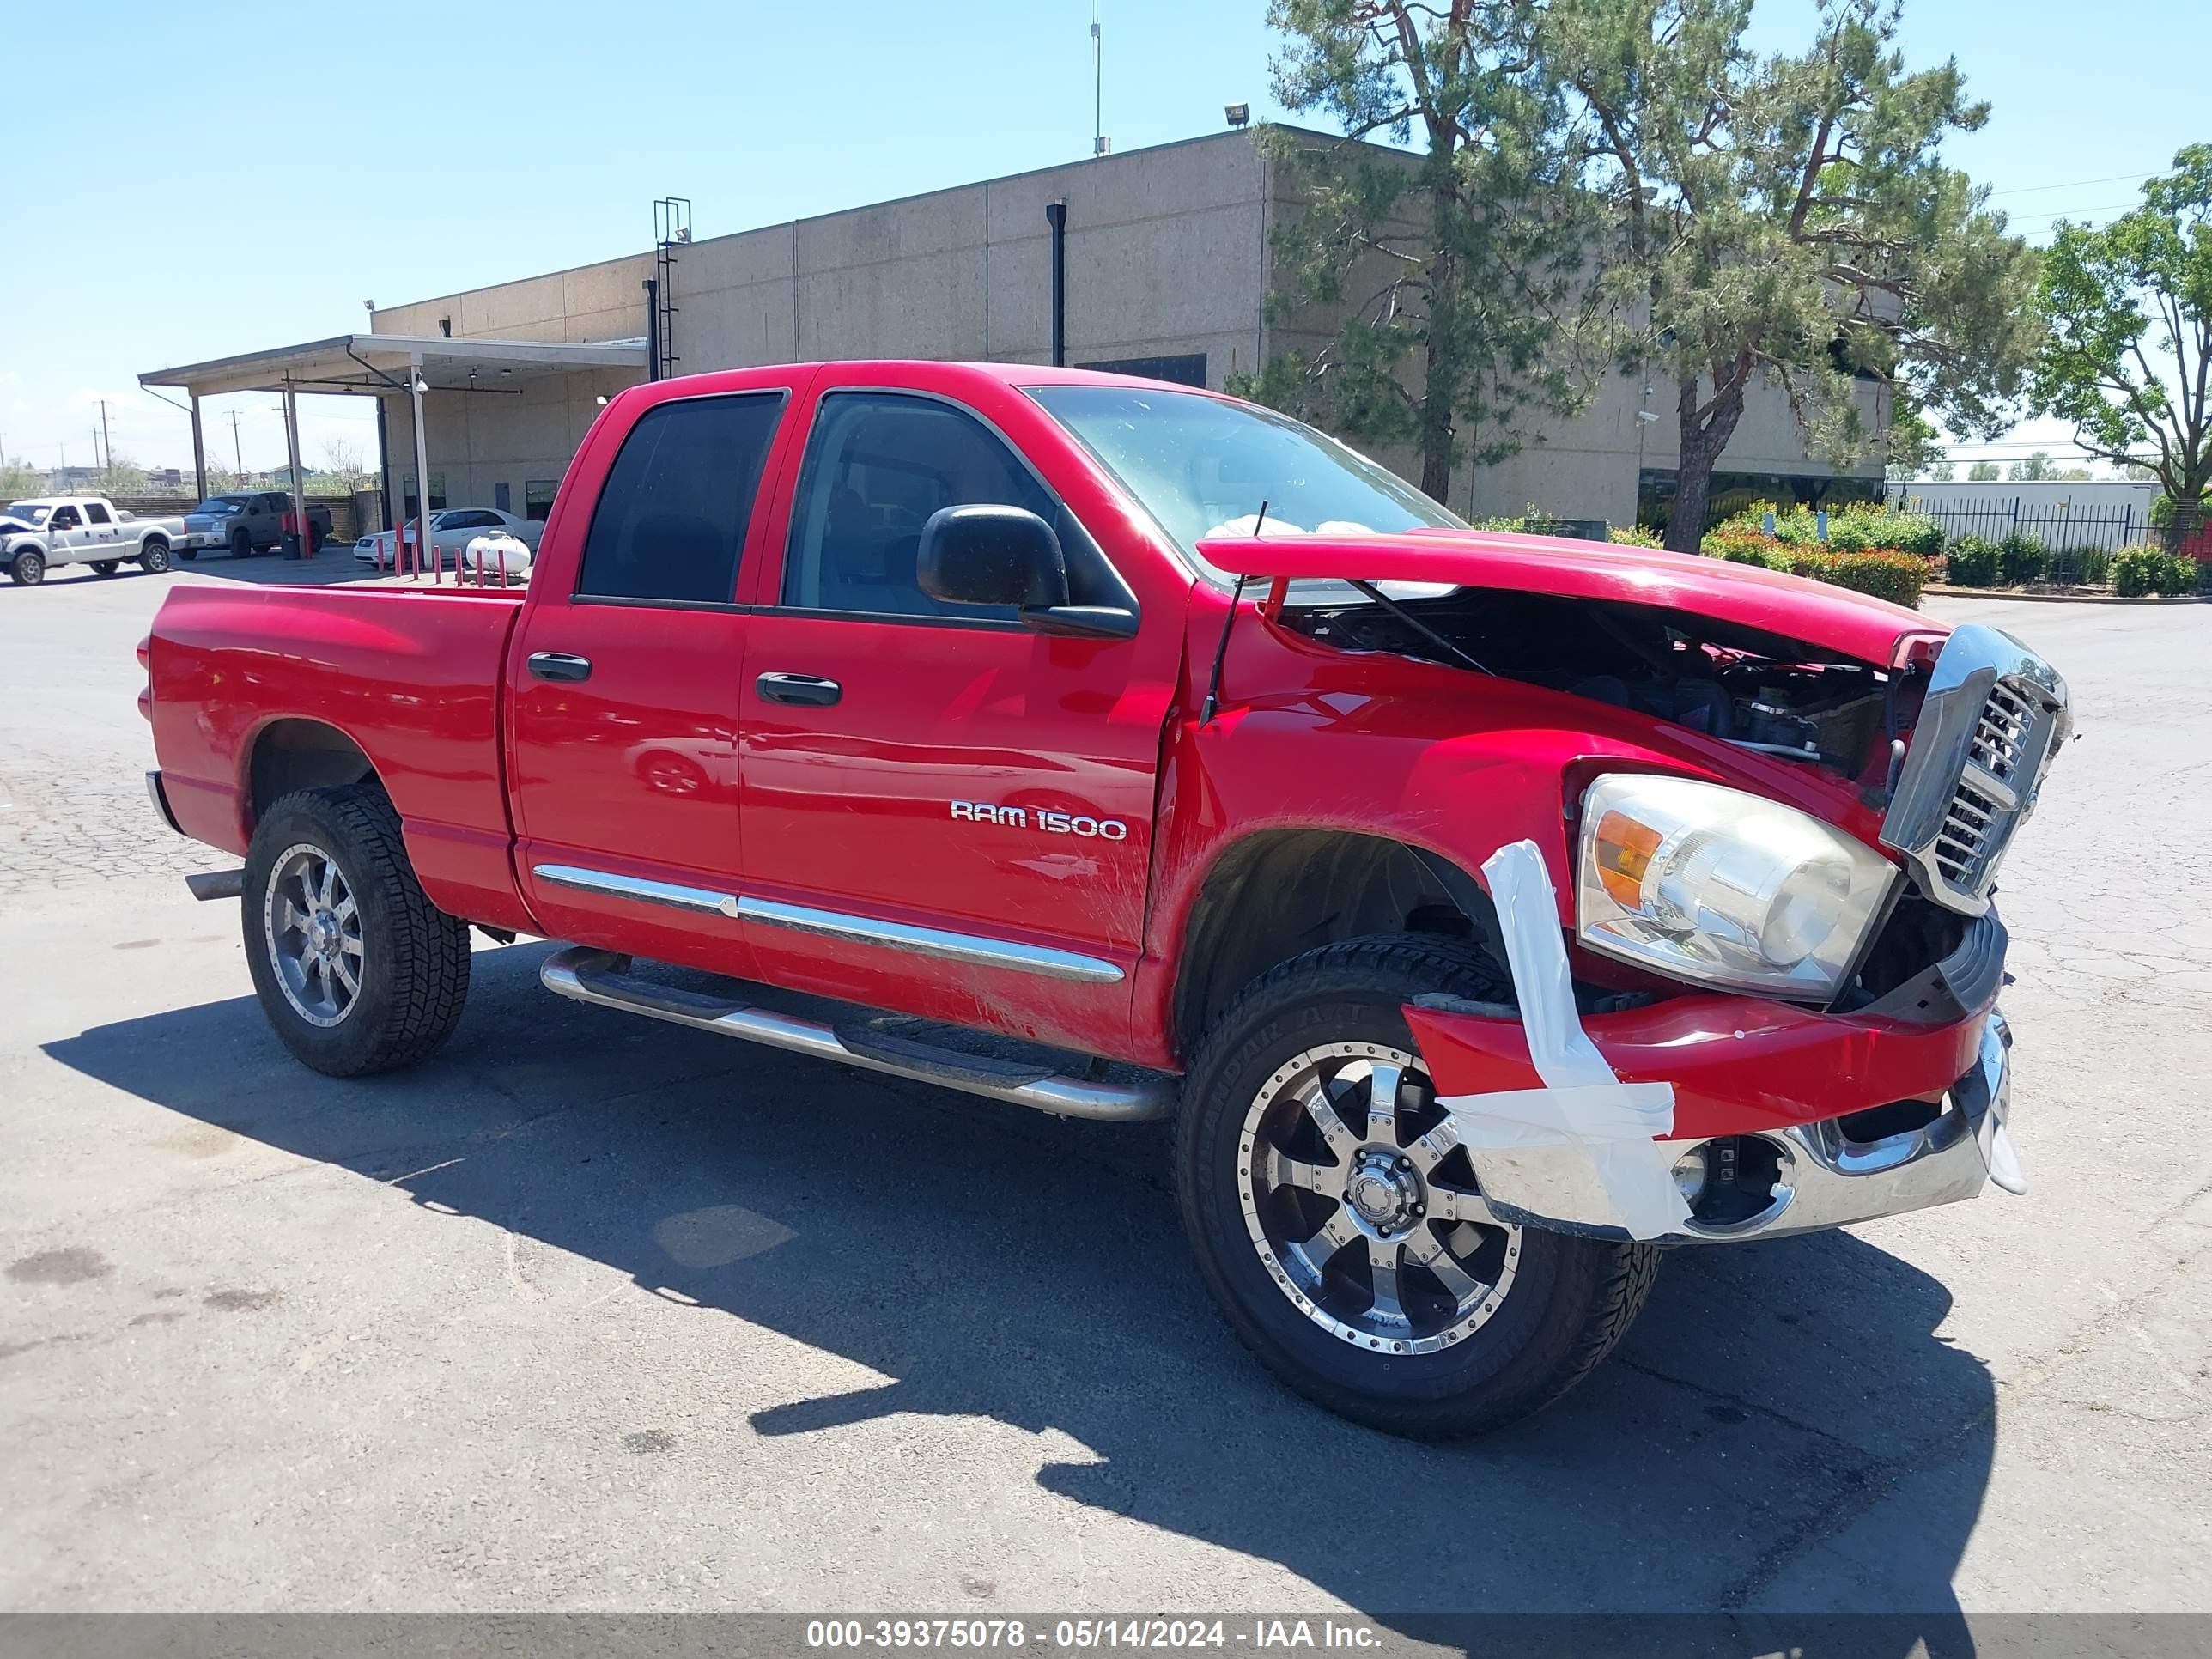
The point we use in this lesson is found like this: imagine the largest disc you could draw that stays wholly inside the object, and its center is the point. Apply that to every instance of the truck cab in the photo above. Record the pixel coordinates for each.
(1488, 911)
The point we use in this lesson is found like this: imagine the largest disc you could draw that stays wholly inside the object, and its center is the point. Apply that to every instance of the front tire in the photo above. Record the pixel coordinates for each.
(241, 545)
(356, 969)
(27, 568)
(1344, 1239)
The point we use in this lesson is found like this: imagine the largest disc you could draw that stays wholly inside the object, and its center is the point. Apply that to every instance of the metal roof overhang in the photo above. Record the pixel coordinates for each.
(368, 363)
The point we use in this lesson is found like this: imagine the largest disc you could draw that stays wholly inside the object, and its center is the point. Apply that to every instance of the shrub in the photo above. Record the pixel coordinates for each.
(1915, 532)
(2092, 566)
(2177, 575)
(2021, 559)
(1972, 562)
(2134, 571)
(1886, 573)
(1630, 535)
(1740, 545)
(2138, 571)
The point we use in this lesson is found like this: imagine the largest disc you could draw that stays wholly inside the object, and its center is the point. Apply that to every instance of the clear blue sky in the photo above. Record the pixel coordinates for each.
(166, 210)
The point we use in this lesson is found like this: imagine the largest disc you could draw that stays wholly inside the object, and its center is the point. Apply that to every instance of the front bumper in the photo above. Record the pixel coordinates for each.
(1781, 1083)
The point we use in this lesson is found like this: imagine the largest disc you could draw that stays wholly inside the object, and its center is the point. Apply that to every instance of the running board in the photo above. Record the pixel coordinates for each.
(585, 975)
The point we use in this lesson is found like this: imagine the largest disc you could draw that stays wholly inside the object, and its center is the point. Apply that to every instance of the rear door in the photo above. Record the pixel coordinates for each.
(946, 814)
(100, 531)
(623, 686)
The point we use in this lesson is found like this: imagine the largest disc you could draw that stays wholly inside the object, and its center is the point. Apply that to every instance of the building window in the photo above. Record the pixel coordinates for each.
(502, 496)
(1733, 492)
(1188, 369)
(537, 498)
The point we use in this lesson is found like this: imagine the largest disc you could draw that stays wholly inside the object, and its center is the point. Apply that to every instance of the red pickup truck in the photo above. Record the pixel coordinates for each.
(1491, 910)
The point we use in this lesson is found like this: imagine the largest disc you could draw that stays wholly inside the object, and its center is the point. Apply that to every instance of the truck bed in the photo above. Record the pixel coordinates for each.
(411, 677)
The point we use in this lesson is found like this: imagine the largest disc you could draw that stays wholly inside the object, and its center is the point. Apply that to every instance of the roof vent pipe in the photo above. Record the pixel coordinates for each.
(1055, 214)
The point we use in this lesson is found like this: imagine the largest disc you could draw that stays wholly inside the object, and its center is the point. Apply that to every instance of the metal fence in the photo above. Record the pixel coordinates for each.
(2060, 526)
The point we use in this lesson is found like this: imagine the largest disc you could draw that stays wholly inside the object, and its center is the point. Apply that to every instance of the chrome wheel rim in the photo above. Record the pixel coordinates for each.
(313, 926)
(1361, 1205)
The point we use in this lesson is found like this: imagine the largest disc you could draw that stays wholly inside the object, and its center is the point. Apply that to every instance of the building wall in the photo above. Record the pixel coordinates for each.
(1168, 255)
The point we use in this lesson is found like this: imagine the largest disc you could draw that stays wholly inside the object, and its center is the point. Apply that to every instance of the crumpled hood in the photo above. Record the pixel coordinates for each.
(12, 525)
(1836, 619)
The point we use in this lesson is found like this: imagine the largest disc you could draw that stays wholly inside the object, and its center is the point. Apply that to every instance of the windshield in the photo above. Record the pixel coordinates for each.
(1202, 466)
(29, 511)
(221, 504)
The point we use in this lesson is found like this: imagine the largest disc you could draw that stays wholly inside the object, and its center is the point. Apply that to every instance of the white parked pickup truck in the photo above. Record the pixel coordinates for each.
(50, 529)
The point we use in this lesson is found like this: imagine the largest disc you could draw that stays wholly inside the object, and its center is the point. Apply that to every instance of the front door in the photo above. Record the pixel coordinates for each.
(944, 812)
(66, 536)
(624, 691)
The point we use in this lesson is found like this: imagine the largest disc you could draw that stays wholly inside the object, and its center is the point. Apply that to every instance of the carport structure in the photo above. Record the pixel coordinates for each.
(382, 365)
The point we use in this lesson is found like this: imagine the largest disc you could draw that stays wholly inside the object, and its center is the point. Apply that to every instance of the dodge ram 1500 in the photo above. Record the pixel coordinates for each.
(1490, 911)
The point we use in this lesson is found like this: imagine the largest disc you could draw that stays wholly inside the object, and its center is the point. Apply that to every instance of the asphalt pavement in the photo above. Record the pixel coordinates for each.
(593, 1314)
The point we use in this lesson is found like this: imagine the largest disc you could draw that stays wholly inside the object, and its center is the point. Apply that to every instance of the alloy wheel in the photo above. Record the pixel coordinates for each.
(1362, 1203)
(311, 923)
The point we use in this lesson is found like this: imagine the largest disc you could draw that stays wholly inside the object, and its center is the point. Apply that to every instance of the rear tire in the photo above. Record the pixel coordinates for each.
(105, 567)
(1482, 1322)
(355, 969)
(27, 568)
(155, 559)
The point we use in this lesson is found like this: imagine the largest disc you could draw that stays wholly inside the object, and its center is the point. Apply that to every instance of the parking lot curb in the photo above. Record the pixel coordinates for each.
(1948, 592)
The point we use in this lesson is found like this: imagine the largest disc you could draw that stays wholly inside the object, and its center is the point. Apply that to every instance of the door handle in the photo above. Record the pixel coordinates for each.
(559, 666)
(809, 689)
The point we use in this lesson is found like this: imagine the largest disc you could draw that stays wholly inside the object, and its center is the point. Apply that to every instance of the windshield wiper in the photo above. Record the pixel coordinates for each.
(1415, 623)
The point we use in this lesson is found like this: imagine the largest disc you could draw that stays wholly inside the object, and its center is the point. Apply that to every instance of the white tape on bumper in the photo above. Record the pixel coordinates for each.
(1582, 1147)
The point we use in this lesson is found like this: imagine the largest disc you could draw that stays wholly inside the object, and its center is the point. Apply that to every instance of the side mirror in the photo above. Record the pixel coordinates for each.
(992, 555)
(984, 555)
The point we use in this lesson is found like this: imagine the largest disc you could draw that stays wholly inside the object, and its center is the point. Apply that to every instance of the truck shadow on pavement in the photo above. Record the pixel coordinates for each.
(1743, 1451)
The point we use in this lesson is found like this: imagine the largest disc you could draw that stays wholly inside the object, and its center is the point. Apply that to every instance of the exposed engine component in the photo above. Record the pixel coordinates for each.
(1764, 691)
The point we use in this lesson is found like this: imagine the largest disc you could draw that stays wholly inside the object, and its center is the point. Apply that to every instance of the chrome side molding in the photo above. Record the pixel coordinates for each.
(636, 887)
(974, 948)
(932, 942)
(584, 975)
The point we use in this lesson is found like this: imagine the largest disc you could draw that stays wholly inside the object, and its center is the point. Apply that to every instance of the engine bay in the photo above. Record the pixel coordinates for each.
(1762, 691)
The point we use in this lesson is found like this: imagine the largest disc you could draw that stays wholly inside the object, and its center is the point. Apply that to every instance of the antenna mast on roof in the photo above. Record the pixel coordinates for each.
(1099, 143)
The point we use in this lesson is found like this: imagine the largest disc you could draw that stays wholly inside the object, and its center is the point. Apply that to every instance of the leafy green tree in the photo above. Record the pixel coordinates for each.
(18, 480)
(2036, 468)
(1940, 471)
(1982, 472)
(1789, 219)
(2127, 358)
(1445, 276)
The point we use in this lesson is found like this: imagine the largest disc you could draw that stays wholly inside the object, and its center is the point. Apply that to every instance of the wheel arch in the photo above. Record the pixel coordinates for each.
(1276, 894)
(292, 753)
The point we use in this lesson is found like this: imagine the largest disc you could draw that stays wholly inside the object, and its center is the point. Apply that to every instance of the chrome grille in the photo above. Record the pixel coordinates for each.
(2009, 739)
(1993, 714)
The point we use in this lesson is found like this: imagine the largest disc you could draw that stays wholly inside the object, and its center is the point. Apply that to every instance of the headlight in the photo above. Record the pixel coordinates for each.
(1716, 886)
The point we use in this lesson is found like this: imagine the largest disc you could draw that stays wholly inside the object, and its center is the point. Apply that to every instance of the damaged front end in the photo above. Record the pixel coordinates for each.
(1727, 1099)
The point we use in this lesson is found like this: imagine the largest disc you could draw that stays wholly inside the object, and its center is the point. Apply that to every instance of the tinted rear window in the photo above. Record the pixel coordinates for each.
(671, 522)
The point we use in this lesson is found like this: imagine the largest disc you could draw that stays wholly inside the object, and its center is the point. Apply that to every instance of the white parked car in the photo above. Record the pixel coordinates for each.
(452, 529)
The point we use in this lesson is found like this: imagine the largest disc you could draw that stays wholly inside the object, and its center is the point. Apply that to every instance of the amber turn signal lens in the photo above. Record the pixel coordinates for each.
(1624, 849)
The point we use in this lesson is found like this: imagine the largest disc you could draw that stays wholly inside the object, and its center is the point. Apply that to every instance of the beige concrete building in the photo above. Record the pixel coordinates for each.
(1167, 267)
